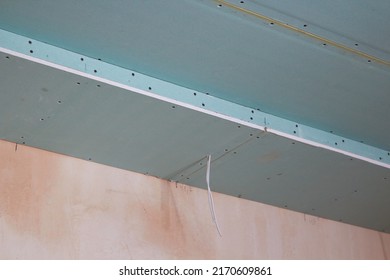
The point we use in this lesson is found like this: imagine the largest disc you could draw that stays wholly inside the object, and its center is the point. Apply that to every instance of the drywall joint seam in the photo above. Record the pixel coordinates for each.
(322, 39)
(95, 69)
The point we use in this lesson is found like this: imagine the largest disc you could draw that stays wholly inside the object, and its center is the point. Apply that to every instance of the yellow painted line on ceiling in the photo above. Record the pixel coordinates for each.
(370, 58)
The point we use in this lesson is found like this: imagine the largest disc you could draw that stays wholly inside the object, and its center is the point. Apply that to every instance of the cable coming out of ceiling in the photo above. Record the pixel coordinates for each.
(210, 195)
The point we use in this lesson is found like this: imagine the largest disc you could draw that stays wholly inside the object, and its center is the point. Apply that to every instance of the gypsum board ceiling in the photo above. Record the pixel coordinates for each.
(238, 57)
(62, 112)
(277, 171)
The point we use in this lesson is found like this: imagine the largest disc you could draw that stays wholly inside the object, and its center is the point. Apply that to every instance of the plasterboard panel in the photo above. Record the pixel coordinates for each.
(62, 112)
(359, 20)
(58, 111)
(295, 176)
(232, 55)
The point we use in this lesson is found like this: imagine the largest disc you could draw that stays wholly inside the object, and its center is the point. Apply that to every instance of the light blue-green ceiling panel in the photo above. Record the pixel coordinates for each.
(58, 111)
(133, 81)
(68, 114)
(295, 176)
(236, 56)
(359, 21)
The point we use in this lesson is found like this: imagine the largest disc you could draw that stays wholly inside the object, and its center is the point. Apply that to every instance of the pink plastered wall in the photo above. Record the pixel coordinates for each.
(57, 207)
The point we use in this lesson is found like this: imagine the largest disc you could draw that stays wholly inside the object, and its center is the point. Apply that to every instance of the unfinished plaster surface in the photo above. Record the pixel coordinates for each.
(57, 207)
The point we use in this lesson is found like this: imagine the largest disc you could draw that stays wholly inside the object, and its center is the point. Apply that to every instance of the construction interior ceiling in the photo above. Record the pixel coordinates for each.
(290, 98)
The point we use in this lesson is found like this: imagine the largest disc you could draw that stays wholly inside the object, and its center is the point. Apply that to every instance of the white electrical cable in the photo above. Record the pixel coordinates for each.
(210, 195)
